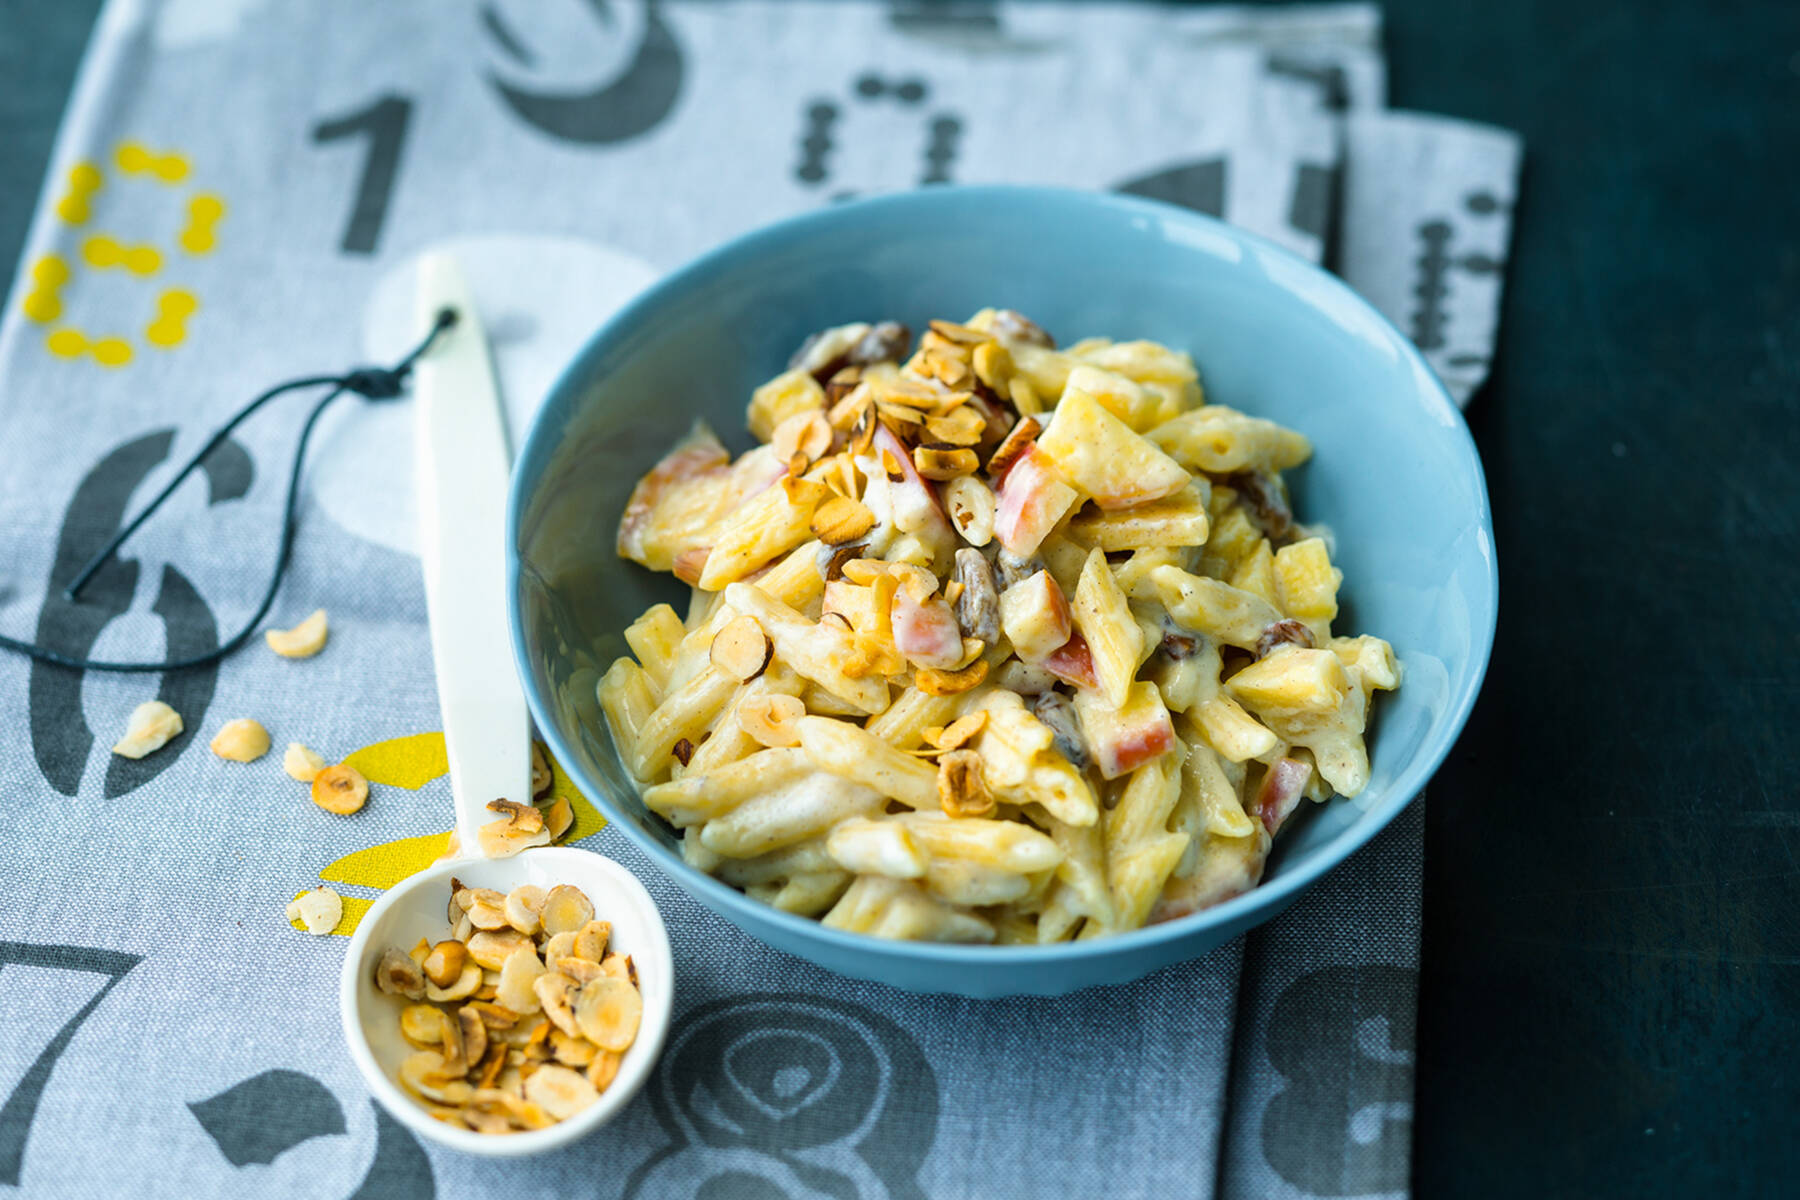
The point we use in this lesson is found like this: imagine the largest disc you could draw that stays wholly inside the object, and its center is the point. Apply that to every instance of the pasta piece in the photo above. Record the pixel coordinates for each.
(1123, 398)
(1102, 457)
(1123, 738)
(1177, 520)
(704, 795)
(852, 753)
(1306, 585)
(1211, 795)
(789, 393)
(628, 699)
(683, 715)
(1231, 731)
(808, 857)
(1217, 609)
(875, 846)
(1221, 440)
(1144, 362)
(1020, 764)
(1010, 846)
(807, 895)
(1104, 618)
(898, 908)
(802, 808)
(816, 651)
(772, 524)
(729, 740)
(1227, 867)
(904, 722)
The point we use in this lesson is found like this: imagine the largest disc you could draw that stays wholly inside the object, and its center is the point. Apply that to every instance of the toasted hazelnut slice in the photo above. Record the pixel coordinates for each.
(962, 792)
(398, 975)
(602, 1070)
(608, 1011)
(340, 789)
(456, 1061)
(148, 729)
(970, 504)
(556, 992)
(950, 683)
(522, 906)
(772, 719)
(474, 1035)
(494, 1016)
(963, 426)
(462, 929)
(559, 1091)
(571, 1051)
(842, 520)
(560, 945)
(503, 839)
(806, 435)
(241, 740)
(319, 910)
(591, 940)
(486, 991)
(466, 985)
(426, 1075)
(559, 814)
(492, 1065)
(517, 975)
(618, 966)
(444, 965)
(993, 364)
(581, 971)
(1013, 445)
(542, 778)
(491, 947)
(303, 640)
(420, 949)
(301, 762)
(566, 910)
(489, 910)
(523, 817)
(942, 461)
(958, 732)
(422, 1025)
(740, 649)
(537, 1044)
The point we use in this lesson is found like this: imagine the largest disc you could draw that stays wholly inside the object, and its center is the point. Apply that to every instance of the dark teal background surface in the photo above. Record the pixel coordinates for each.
(1611, 993)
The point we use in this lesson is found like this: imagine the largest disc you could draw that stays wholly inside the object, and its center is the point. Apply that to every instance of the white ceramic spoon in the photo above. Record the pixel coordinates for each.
(461, 463)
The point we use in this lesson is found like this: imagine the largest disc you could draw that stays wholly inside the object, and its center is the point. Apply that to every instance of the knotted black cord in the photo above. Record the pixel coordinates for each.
(372, 383)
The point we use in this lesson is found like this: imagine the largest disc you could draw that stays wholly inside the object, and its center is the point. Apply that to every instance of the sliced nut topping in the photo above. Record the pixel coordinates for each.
(561, 945)
(772, 719)
(466, 985)
(522, 906)
(950, 683)
(503, 839)
(149, 729)
(241, 740)
(558, 816)
(962, 792)
(473, 1030)
(993, 364)
(516, 990)
(959, 732)
(566, 910)
(559, 1091)
(556, 992)
(1019, 328)
(302, 763)
(805, 436)
(591, 940)
(941, 461)
(488, 910)
(490, 947)
(444, 964)
(319, 910)
(963, 426)
(428, 1076)
(740, 649)
(523, 817)
(841, 520)
(340, 789)
(398, 975)
(303, 640)
(571, 1051)
(1017, 439)
(608, 1011)
(604, 1068)
(419, 951)
(422, 1025)
(542, 778)
(493, 1015)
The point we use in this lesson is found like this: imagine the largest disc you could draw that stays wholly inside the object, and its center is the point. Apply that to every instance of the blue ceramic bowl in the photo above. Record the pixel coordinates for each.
(1394, 474)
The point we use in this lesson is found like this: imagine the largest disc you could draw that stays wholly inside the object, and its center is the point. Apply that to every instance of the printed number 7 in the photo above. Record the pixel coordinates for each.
(385, 124)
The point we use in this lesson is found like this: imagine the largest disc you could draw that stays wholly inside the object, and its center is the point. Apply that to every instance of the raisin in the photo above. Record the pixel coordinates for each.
(1286, 631)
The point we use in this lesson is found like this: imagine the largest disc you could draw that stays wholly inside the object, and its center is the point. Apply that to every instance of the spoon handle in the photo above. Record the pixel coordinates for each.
(461, 462)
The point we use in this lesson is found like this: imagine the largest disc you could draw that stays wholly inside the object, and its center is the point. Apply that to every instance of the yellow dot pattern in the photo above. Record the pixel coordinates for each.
(134, 158)
(43, 303)
(84, 180)
(72, 343)
(204, 212)
(103, 251)
(173, 308)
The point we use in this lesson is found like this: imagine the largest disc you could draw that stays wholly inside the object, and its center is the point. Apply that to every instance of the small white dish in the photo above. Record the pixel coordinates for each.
(417, 910)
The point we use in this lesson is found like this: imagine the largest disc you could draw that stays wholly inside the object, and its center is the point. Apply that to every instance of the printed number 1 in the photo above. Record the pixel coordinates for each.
(385, 124)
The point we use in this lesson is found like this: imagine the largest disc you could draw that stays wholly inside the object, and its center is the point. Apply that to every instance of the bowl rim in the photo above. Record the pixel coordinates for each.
(1250, 907)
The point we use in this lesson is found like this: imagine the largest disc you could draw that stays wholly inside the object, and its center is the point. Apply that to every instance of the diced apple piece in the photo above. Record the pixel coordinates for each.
(1104, 617)
(676, 502)
(1282, 787)
(1073, 662)
(912, 500)
(1292, 682)
(791, 392)
(1102, 456)
(1035, 615)
(1033, 498)
(925, 632)
(1123, 738)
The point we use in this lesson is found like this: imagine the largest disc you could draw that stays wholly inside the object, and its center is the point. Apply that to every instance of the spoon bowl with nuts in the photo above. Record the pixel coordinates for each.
(516, 988)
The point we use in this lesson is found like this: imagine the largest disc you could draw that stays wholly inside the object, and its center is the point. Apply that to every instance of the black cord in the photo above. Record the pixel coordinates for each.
(372, 383)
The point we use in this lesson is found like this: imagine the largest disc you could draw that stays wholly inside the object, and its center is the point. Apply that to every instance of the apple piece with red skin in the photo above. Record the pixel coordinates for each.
(925, 632)
(911, 498)
(1282, 786)
(1125, 738)
(1072, 662)
(1035, 615)
(1033, 498)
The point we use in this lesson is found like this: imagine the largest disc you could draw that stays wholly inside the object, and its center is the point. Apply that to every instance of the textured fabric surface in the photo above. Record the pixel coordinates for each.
(237, 196)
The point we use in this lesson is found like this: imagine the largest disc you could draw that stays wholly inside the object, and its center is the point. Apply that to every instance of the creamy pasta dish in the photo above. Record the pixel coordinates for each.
(989, 641)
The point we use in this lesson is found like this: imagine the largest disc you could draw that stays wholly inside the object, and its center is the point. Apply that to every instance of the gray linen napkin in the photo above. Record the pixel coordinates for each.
(237, 195)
